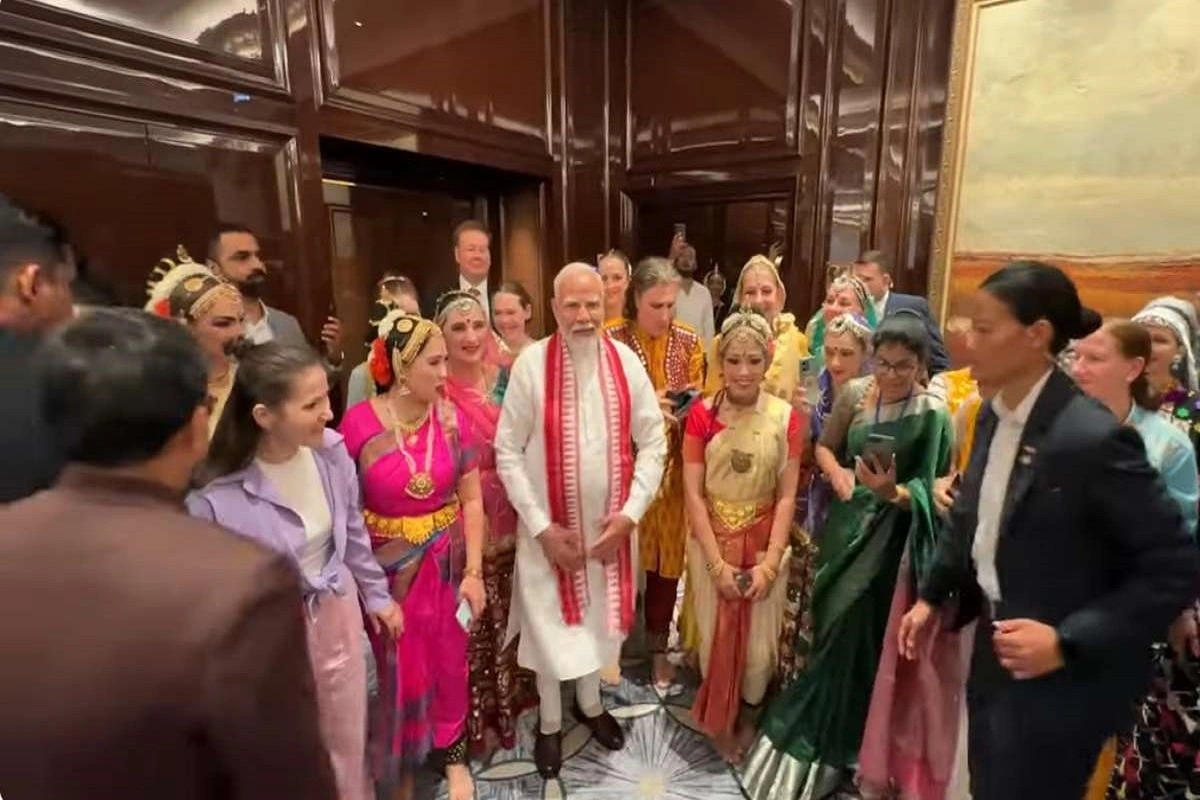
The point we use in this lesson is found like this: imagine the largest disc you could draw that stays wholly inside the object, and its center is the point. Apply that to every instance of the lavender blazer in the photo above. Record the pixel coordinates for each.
(246, 503)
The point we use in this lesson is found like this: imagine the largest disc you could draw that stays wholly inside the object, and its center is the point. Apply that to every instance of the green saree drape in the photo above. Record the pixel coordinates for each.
(812, 730)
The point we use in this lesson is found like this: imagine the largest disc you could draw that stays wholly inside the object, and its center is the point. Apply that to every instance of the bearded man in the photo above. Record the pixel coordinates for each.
(580, 449)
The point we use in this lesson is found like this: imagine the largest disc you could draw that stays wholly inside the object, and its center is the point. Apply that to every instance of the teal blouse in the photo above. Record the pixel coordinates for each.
(1169, 450)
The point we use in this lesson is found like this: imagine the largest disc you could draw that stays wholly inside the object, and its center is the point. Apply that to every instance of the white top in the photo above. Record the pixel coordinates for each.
(299, 485)
(1002, 457)
(881, 306)
(548, 646)
(259, 332)
(694, 307)
(484, 299)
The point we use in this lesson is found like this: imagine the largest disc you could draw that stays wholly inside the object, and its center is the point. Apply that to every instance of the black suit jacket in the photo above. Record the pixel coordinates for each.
(29, 459)
(1089, 543)
(939, 360)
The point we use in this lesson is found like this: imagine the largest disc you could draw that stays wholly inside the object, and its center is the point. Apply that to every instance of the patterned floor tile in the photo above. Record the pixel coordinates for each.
(664, 757)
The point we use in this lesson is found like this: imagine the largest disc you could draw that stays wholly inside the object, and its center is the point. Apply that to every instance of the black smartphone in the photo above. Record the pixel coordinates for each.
(682, 401)
(881, 448)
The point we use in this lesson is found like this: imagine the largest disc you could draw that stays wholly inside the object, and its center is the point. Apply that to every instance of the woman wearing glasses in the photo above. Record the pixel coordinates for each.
(882, 446)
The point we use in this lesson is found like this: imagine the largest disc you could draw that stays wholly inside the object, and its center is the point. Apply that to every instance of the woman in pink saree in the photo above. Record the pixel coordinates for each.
(416, 455)
(500, 690)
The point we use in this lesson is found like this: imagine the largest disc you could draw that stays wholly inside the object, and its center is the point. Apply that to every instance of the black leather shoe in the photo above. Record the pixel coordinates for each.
(547, 754)
(605, 728)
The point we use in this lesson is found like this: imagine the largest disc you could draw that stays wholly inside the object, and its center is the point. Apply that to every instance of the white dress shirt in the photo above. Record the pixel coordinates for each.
(259, 332)
(881, 306)
(993, 489)
(482, 290)
(694, 308)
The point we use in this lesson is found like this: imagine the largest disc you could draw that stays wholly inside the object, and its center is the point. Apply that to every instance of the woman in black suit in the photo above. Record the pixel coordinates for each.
(1062, 542)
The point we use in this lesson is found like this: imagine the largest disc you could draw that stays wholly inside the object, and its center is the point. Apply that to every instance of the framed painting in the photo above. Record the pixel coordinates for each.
(1071, 139)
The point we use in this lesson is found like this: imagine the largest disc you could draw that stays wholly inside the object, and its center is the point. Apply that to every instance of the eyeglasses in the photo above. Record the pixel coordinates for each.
(899, 369)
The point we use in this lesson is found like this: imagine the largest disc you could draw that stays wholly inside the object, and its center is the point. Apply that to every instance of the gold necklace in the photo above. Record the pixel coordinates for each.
(420, 483)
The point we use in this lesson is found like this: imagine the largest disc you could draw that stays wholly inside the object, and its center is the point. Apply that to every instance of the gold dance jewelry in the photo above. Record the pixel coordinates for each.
(414, 530)
(419, 486)
(741, 461)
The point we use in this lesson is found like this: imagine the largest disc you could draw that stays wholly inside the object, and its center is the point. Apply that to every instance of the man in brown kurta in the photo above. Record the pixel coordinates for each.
(146, 654)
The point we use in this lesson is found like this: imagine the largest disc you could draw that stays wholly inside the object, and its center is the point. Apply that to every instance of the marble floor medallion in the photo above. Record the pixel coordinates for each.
(664, 757)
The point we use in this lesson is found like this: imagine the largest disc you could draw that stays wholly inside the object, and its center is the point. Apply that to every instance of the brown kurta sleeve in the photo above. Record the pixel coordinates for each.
(260, 697)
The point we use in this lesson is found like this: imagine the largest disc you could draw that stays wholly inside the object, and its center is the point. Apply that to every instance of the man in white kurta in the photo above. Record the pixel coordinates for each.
(554, 648)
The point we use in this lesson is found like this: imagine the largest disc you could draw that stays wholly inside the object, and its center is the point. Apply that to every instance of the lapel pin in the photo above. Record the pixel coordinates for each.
(1027, 454)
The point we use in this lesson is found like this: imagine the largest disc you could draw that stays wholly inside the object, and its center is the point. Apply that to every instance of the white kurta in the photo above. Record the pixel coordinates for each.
(548, 645)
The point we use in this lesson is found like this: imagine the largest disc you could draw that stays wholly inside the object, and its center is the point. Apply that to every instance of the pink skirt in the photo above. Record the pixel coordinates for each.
(336, 652)
(911, 735)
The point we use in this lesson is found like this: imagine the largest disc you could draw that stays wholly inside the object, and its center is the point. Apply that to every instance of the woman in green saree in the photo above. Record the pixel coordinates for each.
(811, 732)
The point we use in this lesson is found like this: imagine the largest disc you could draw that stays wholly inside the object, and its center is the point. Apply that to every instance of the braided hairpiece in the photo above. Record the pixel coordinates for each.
(854, 324)
(746, 323)
(846, 280)
(455, 300)
(180, 288)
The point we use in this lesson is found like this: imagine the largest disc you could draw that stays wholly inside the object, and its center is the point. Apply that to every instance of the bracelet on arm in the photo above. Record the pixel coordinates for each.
(902, 496)
(714, 568)
(769, 571)
(473, 572)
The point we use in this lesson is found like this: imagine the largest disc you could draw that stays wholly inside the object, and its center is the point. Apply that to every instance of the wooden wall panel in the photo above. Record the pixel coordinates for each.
(229, 40)
(812, 123)
(130, 192)
(866, 82)
(473, 70)
(711, 77)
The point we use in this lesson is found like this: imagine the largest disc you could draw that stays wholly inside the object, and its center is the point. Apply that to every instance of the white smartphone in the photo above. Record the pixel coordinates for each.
(463, 614)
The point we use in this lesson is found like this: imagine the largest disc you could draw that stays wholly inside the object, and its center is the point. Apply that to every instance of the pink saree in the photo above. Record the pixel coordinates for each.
(500, 690)
(422, 702)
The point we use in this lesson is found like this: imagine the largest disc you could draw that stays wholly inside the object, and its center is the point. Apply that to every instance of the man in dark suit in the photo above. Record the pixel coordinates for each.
(874, 269)
(36, 272)
(473, 255)
(149, 655)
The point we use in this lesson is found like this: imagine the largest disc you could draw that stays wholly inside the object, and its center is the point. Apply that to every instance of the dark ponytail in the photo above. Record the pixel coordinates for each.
(1035, 291)
(265, 375)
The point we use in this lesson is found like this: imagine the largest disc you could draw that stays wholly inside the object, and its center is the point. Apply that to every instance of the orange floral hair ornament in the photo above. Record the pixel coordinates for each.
(379, 365)
(405, 335)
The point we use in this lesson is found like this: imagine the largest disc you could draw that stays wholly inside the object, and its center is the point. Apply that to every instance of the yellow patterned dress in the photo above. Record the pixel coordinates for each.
(675, 361)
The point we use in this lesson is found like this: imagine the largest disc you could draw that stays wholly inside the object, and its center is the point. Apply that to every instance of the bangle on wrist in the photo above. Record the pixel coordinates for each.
(901, 496)
(473, 572)
(714, 568)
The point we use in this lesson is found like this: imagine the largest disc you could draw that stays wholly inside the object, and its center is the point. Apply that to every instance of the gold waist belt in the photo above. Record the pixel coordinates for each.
(735, 515)
(414, 530)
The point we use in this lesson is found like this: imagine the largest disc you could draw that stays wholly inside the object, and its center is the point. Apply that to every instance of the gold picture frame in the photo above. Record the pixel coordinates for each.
(954, 146)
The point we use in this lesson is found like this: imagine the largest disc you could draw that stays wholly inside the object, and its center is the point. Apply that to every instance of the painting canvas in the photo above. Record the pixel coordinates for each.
(1072, 139)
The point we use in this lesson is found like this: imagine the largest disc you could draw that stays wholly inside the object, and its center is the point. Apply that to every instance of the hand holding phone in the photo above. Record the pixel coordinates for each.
(880, 449)
(463, 614)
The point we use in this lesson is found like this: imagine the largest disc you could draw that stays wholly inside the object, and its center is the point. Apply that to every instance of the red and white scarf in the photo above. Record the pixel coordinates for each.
(563, 469)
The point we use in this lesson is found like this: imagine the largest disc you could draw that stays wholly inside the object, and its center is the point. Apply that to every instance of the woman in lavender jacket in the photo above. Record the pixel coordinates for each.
(276, 475)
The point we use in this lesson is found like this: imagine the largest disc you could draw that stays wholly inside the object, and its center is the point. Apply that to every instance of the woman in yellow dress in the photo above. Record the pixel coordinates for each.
(741, 470)
(760, 288)
(674, 357)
